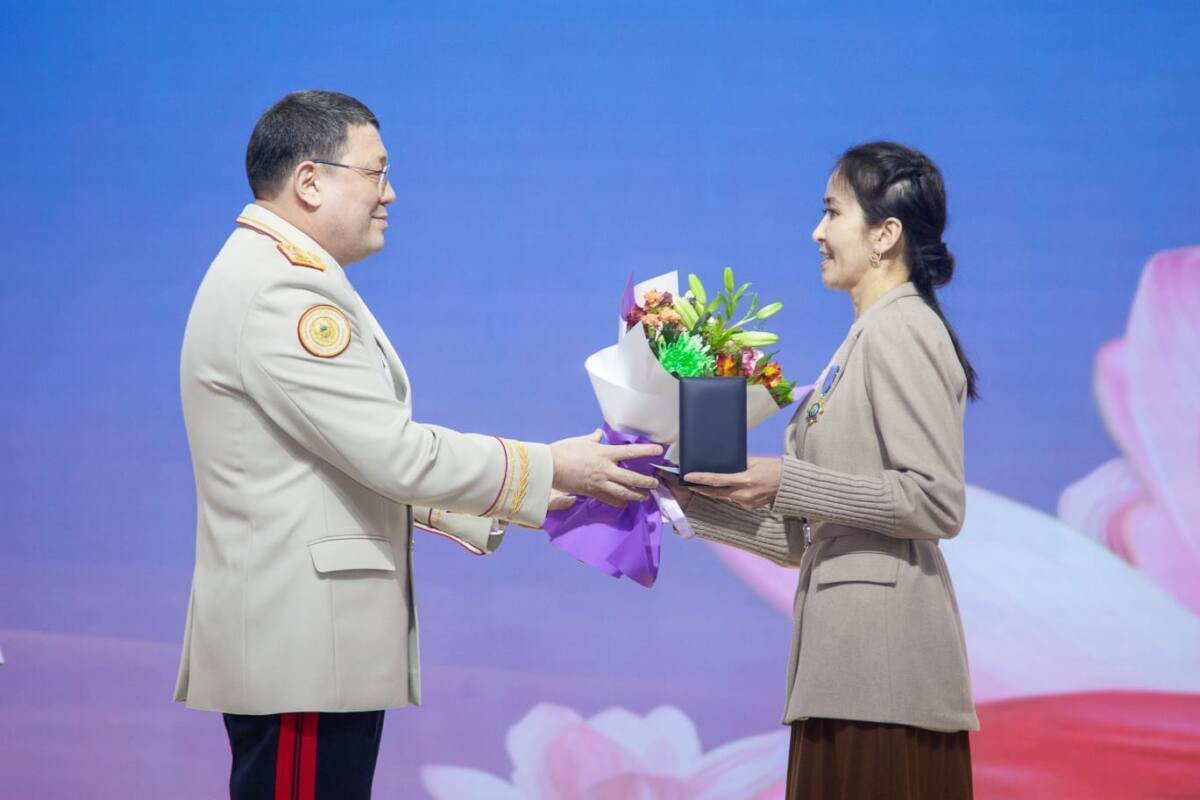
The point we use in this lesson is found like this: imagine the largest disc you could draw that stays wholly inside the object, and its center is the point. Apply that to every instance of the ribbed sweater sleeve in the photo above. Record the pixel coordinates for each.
(759, 532)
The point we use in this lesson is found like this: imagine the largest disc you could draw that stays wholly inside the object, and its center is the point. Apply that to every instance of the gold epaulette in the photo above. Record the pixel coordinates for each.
(292, 252)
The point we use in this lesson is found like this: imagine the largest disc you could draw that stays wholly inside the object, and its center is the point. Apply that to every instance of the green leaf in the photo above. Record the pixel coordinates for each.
(697, 289)
(768, 311)
(762, 363)
(687, 313)
(737, 296)
(729, 279)
(755, 338)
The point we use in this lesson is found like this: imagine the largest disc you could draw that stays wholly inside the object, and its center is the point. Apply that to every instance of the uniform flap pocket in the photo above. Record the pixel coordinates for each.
(338, 553)
(863, 566)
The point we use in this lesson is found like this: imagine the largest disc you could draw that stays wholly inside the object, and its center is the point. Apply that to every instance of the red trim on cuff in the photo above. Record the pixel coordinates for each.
(503, 479)
(472, 550)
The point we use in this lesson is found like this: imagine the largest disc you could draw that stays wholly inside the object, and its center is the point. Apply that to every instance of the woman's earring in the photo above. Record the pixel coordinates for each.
(875, 258)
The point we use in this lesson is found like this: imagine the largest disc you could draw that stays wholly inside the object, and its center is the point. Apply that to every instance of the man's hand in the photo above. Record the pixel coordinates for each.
(584, 466)
(561, 501)
(753, 489)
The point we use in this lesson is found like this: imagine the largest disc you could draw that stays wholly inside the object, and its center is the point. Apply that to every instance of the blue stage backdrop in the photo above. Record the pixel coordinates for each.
(541, 153)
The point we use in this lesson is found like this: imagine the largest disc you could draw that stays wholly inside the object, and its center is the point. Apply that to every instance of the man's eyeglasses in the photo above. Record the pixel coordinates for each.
(378, 175)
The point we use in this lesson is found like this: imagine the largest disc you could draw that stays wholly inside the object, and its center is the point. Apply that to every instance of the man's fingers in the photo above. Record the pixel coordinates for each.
(628, 452)
(616, 495)
(624, 493)
(628, 477)
(561, 502)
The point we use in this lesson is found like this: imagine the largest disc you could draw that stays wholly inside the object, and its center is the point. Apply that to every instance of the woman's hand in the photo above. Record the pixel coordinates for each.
(753, 489)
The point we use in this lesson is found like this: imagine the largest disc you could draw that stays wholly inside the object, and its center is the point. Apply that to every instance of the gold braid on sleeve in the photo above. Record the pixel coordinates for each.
(522, 480)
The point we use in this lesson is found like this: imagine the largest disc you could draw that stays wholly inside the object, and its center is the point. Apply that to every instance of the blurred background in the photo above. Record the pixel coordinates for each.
(541, 153)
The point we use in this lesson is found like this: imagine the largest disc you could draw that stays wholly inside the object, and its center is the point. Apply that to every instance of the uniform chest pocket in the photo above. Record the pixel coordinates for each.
(864, 566)
(341, 553)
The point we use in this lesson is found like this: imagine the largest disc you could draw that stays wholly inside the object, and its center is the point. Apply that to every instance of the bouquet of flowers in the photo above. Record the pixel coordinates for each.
(693, 337)
(664, 336)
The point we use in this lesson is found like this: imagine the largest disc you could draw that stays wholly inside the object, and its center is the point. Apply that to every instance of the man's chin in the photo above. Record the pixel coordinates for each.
(375, 245)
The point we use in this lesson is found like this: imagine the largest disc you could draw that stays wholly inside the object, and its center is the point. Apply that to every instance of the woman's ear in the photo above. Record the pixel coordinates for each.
(888, 237)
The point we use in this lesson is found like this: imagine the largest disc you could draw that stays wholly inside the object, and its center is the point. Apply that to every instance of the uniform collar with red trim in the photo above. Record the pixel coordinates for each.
(297, 247)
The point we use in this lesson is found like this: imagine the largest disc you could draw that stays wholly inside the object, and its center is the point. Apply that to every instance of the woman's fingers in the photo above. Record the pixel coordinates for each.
(714, 478)
(715, 492)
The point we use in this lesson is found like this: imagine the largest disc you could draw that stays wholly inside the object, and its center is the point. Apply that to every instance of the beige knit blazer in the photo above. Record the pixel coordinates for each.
(877, 478)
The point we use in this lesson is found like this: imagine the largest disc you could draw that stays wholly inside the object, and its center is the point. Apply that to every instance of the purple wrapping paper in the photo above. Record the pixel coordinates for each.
(617, 541)
(628, 300)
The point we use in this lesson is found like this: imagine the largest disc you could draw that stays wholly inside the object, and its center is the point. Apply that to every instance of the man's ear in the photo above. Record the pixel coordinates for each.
(306, 184)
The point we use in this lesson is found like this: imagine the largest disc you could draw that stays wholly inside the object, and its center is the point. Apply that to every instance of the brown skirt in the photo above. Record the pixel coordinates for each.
(837, 759)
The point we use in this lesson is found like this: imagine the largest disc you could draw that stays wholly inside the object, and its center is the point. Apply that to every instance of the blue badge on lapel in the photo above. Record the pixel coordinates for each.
(817, 408)
(830, 377)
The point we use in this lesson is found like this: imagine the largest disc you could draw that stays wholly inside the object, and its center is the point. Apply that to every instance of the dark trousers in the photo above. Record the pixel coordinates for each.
(304, 756)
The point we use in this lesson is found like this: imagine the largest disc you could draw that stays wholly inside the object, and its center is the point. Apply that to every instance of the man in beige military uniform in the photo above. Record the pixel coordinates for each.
(311, 472)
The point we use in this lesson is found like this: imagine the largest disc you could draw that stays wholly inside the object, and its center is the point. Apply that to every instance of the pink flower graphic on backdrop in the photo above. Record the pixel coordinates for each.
(618, 755)
(1145, 505)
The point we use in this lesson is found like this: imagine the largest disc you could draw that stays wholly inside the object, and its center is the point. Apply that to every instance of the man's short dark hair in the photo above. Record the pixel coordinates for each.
(302, 126)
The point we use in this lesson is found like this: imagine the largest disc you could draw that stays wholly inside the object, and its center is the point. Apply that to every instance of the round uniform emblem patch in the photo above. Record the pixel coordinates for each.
(324, 331)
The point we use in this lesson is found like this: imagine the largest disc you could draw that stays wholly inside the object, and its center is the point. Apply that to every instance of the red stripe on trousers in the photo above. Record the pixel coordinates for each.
(296, 759)
(284, 757)
(307, 788)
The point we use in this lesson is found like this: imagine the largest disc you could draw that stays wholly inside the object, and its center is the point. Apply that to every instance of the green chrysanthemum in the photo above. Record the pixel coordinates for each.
(687, 357)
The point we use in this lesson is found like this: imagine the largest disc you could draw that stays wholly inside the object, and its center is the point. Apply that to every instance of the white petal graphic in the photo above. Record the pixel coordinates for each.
(1047, 610)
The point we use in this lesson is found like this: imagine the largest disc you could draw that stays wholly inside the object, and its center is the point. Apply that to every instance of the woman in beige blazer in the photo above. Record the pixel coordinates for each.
(879, 695)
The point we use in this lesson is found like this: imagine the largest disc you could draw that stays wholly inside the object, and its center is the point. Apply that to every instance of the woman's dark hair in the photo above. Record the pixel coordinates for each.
(891, 180)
